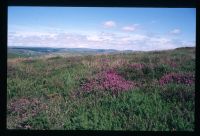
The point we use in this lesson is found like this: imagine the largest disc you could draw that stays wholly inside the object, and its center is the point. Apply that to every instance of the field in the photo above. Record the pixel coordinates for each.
(139, 91)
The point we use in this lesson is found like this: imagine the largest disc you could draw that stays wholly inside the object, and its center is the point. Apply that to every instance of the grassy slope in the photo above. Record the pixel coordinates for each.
(53, 82)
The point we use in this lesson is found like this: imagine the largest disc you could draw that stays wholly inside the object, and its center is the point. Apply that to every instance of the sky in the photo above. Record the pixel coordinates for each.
(141, 29)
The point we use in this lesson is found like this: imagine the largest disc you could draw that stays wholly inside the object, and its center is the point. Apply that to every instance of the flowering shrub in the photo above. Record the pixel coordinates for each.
(108, 80)
(26, 107)
(187, 79)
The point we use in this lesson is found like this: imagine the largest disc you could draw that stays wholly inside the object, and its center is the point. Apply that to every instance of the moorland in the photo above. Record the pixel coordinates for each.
(101, 89)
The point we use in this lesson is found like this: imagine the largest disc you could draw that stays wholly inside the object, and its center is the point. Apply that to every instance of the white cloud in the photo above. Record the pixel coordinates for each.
(83, 46)
(130, 28)
(94, 38)
(34, 33)
(160, 40)
(109, 24)
(175, 31)
(133, 38)
(147, 43)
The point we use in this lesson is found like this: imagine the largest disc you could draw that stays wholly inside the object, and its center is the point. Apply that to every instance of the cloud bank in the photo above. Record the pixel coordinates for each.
(102, 40)
(123, 37)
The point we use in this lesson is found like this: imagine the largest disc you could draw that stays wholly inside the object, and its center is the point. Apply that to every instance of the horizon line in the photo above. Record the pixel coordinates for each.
(99, 48)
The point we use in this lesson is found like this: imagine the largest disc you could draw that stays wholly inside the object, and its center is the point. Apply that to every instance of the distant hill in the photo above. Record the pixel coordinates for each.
(89, 50)
(38, 51)
(35, 49)
(180, 48)
(14, 52)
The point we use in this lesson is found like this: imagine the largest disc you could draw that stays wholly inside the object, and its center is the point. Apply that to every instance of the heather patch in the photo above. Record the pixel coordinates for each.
(179, 78)
(26, 107)
(109, 81)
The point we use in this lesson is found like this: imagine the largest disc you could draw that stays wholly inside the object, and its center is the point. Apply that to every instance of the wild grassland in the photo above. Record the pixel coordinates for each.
(134, 91)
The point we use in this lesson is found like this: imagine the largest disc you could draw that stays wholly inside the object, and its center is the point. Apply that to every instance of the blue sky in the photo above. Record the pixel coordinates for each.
(105, 28)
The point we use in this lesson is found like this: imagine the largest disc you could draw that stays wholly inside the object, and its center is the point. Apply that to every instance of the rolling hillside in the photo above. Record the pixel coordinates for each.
(120, 91)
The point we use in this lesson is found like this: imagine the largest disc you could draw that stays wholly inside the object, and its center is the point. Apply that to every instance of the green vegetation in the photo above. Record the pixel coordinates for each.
(49, 93)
